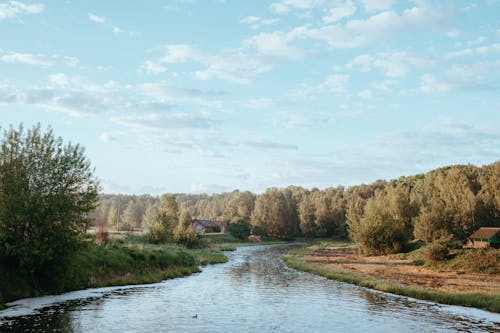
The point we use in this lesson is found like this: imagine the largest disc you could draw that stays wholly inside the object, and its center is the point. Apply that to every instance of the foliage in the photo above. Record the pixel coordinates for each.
(380, 230)
(47, 191)
(240, 229)
(187, 236)
(439, 249)
(458, 199)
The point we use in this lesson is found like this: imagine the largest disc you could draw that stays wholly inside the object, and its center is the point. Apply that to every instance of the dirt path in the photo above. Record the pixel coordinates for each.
(404, 272)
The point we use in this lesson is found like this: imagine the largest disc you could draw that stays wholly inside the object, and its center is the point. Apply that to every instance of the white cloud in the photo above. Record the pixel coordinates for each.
(179, 53)
(359, 32)
(162, 122)
(279, 8)
(165, 92)
(442, 143)
(453, 33)
(151, 67)
(365, 94)
(275, 44)
(488, 49)
(293, 120)
(12, 9)
(429, 84)
(385, 85)
(339, 12)
(256, 22)
(230, 65)
(336, 82)
(106, 137)
(471, 51)
(260, 103)
(373, 5)
(392, 64)
(59, 79)
(269, 145)
(41, 60)
(97, 19)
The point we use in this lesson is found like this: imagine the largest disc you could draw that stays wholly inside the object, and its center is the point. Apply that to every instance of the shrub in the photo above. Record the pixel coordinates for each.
(439, 249)
(240, 229)
(187, 237)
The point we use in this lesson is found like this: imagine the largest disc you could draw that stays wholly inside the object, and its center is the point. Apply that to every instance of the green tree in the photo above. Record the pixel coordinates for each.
(273, 213)
(168, 207)
(379, 231)
(47, 192)
(132, 214)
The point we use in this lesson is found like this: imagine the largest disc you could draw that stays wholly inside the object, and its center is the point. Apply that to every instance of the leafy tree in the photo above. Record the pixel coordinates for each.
(113, 218)
(168, 207)
(132, 215)
(272, 213)
(379, 231)
(150, 216)
(47, 190)
(240, 229)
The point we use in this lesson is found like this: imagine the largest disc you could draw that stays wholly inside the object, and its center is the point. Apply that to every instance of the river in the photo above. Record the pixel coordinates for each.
(253, 292)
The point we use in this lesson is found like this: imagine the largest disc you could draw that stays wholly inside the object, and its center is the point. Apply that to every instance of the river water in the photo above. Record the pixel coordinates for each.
(253, 292)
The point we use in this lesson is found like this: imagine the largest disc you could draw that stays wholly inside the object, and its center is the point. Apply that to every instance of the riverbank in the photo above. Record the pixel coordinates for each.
(399, 274)
(123, 262)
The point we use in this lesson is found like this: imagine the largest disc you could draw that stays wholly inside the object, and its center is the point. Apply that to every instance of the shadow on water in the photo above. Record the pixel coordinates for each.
(254, 292)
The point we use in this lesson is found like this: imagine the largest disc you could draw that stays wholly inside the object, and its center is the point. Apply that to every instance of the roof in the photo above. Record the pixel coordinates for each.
(486, 233)
(206, 223)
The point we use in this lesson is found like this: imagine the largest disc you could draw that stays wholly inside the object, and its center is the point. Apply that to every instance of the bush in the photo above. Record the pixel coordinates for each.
(187, 237)
(240, 229)
(439, 249)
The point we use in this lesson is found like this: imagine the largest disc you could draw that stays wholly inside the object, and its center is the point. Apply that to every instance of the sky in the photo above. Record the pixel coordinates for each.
(208, 96)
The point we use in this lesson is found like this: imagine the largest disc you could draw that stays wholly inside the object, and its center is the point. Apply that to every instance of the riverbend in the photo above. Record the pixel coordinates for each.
(253, 292)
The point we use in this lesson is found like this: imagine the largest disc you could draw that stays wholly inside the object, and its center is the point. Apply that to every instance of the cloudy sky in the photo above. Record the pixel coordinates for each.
(213, 95)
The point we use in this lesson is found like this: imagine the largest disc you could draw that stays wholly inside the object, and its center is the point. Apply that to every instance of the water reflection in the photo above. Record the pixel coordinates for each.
(253, 292)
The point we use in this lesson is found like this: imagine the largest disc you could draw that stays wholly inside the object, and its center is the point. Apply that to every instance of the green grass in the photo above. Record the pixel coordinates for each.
(220, 238)
(128, 261)
(482, 301)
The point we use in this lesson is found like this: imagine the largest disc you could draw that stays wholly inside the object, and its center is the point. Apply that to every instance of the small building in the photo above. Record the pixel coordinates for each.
(484, 237)
(201, 226)
(223, 226)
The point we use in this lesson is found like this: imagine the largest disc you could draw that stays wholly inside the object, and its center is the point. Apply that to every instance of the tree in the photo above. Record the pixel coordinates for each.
(379, 231)
(47, 192)
(132, 215)
(113, 217)
(168, 207)
(272, 213)
(150, 216)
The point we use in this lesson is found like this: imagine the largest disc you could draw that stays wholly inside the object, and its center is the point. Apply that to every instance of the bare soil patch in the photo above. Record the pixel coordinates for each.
(404, 272)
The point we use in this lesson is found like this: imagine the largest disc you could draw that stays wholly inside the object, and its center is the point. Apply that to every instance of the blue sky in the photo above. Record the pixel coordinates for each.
(210, 96)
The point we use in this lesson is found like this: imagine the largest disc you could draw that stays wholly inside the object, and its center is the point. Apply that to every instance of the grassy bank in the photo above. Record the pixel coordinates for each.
(121, 262)
(477, 300)
(227, 242)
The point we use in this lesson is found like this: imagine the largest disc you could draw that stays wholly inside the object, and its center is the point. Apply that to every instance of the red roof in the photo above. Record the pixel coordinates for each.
(486, 233)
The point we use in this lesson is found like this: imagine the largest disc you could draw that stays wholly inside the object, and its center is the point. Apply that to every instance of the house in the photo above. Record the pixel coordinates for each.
(484, 237)
(201, 226)
(222, 225)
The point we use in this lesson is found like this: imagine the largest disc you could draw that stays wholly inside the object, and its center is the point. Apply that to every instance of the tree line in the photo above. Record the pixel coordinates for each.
(380, 217)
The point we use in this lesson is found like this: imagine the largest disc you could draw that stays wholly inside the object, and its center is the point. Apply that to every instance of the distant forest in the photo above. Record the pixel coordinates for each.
(453, 200)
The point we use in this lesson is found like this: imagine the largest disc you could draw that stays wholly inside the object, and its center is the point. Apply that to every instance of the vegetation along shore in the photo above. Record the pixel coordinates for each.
(467, 277)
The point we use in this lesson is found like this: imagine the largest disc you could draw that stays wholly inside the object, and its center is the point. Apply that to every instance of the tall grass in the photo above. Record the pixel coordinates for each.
(127, 261)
